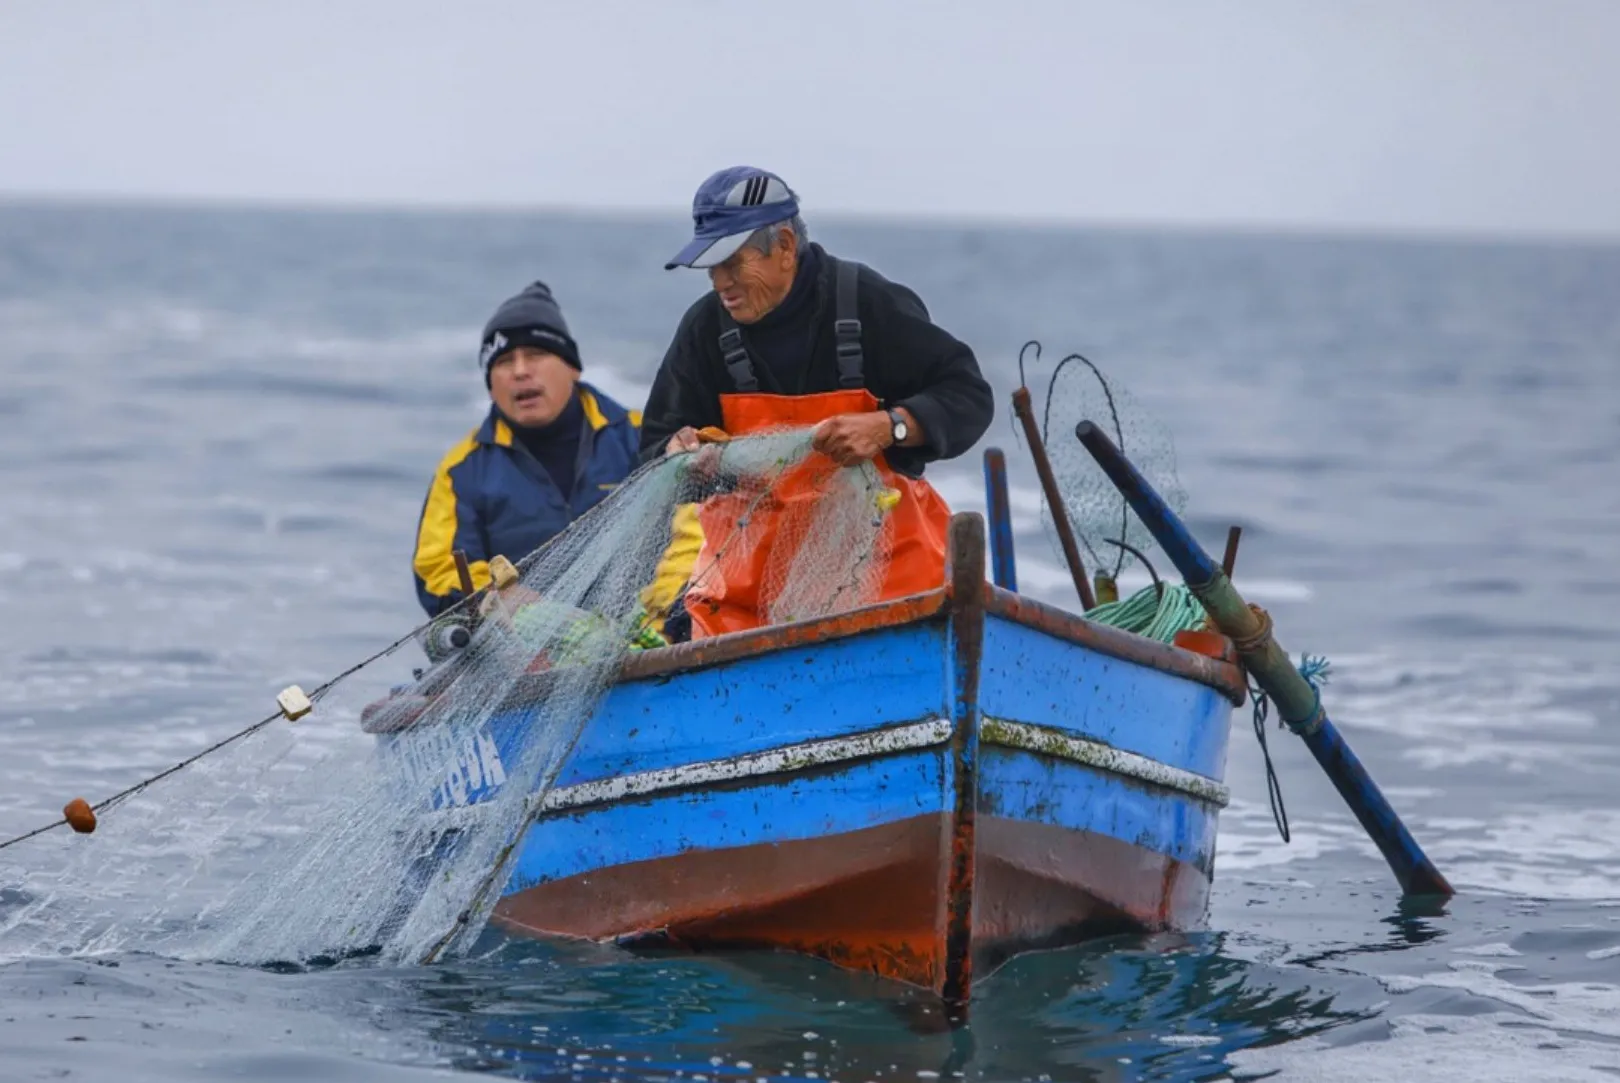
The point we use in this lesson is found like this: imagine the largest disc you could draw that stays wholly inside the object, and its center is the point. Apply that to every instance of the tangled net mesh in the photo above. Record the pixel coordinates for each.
(386, 821)
(1077, 391)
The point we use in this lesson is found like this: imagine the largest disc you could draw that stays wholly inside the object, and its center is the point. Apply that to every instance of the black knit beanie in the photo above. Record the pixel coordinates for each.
(532, 318)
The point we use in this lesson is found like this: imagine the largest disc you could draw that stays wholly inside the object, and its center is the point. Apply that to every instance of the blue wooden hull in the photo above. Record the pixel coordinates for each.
(919, 789)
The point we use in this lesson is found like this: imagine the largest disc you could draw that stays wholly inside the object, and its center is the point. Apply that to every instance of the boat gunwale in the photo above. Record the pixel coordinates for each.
(735, 646)
(1221, 674)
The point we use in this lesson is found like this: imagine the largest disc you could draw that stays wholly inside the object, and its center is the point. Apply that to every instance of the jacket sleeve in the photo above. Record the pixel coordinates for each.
(683, 392)
(932, 374)
(449, 522)
(675, 566)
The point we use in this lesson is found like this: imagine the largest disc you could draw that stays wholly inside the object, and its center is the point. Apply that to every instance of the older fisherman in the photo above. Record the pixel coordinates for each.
(550, 448)
(791, 335)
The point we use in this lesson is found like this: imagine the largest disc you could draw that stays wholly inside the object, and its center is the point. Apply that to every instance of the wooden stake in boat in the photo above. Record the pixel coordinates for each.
(463, 571)
(999, 504)
(1229, 559)
(1054, 500)
(1297, 700)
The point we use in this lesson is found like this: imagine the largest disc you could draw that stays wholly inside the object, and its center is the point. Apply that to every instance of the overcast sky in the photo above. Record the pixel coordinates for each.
(1474, 115)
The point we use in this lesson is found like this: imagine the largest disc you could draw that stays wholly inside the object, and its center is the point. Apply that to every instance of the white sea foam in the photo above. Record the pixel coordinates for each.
(1440, 1049)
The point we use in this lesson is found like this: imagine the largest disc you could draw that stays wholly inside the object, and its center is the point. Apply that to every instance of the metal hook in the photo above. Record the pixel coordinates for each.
(1022, 350)
(1158, 584)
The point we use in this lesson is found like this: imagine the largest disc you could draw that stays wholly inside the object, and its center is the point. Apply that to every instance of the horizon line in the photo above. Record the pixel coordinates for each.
(1278, 229)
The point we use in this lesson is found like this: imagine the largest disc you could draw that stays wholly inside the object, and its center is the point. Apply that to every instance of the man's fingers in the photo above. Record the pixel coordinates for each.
(841, 452)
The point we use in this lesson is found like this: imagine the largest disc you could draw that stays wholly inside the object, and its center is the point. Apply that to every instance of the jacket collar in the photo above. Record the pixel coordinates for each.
(600, 412)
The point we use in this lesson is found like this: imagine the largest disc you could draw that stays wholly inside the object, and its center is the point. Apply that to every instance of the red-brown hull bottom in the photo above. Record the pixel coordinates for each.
(873, 900)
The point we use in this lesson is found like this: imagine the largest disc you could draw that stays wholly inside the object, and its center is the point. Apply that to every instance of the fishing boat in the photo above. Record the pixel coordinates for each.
(919, 788)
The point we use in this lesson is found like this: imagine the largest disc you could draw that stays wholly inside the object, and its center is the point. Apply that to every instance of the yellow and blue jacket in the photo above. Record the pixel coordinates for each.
(491, 497)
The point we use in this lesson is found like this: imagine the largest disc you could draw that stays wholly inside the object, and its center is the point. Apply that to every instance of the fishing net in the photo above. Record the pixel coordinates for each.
(1100, 517)
(386, 820)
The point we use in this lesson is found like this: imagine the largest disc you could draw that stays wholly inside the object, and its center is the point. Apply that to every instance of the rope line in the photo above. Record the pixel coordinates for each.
(314, 697)
(1315, 671)
(1279, 812)
(466, 602)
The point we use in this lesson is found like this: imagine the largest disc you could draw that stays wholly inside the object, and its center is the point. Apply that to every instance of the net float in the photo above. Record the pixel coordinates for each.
(80, 816)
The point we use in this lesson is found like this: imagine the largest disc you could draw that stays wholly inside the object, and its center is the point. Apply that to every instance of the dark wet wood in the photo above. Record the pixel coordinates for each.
(967, 590)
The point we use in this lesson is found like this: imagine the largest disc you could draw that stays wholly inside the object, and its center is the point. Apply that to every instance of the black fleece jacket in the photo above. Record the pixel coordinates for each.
(909, 362)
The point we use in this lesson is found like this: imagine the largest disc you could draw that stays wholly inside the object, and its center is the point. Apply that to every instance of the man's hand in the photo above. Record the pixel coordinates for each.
(853, 438)
(690, 439)
(503, 603)
(684, 440)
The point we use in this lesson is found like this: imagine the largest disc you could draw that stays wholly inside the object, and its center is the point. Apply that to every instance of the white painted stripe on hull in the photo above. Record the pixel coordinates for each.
(1044, 741)
(773, 761)
(1041, 740)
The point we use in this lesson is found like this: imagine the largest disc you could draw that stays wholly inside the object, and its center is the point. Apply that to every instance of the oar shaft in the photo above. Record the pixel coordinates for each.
(1413, 869)
(1297, 701)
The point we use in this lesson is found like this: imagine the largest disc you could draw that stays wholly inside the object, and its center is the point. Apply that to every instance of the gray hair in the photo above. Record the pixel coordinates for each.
(763, 239)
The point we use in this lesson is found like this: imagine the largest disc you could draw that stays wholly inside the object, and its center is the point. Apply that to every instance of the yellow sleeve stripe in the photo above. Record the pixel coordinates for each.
(635, 418)
(435, 563)
(675, 567)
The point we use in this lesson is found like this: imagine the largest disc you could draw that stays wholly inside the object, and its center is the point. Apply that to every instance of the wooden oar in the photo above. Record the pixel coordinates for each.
(1297, 701)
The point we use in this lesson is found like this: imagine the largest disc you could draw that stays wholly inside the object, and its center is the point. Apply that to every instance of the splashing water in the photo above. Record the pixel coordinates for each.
(319, 839)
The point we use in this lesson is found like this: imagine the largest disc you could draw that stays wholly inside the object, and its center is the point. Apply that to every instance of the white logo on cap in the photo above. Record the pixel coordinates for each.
(495, 346)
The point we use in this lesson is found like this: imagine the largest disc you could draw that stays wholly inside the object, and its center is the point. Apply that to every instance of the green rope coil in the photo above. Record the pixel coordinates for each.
(1148, 614)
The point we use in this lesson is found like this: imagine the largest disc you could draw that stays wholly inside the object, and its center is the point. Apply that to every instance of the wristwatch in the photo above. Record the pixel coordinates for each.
(898, 427)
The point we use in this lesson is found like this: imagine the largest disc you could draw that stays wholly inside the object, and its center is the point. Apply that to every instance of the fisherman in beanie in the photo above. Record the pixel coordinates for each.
(550, 449)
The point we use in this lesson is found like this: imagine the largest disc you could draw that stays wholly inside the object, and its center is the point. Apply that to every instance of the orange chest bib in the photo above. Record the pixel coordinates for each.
(749, 543)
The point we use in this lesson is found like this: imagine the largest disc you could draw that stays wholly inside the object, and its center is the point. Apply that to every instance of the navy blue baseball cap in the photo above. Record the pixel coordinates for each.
(727, 208)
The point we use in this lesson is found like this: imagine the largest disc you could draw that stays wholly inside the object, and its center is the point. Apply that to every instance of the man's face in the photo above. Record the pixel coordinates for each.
(751, 283)
(531, 386)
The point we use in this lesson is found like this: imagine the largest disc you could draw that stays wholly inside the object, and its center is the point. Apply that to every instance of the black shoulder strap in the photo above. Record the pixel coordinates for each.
(847, 327)
(738, 364)
(846, 337)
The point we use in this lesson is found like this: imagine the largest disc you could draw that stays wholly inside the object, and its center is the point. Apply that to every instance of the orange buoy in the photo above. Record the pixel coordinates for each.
(80, 816)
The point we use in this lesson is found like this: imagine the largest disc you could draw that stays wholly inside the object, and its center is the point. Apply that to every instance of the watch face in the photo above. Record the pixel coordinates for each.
(900, 429)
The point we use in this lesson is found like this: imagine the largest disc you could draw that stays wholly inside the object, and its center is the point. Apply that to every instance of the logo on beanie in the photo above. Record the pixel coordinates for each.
(491, 348)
